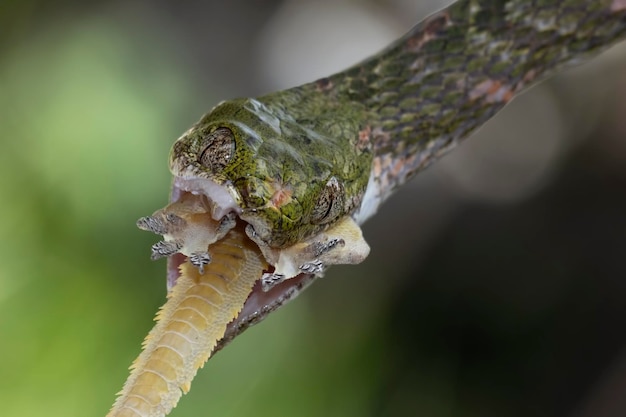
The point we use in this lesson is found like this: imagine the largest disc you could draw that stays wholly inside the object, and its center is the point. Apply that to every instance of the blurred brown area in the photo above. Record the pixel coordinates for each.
(496, 282)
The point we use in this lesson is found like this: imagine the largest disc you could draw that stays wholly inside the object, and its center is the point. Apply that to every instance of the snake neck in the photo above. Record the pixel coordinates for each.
(418, 98)
(452, 72)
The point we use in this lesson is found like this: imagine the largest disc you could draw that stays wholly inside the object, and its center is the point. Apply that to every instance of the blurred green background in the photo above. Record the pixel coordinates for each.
(496, 282)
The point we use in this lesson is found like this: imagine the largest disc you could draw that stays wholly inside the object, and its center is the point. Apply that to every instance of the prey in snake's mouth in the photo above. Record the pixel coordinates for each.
(202, 212)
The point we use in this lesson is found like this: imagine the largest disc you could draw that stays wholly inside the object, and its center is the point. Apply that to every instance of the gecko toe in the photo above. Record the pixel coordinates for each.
(269, 280)
(199, 260)
(165, 248)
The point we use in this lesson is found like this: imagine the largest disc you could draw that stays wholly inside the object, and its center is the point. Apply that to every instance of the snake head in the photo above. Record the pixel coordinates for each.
(287, 179)
(294, 184)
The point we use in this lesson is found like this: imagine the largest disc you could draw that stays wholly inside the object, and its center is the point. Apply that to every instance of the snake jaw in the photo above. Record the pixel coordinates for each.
(224, 198)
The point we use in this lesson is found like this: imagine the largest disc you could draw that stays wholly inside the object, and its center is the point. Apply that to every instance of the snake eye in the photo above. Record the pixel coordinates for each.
(329, 204)
(219, 148)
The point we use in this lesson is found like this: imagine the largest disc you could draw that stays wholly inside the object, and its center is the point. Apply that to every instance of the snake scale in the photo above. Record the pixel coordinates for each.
(285, 180)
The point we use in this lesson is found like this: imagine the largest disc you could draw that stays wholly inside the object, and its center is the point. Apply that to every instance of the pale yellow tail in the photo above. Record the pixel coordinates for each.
(189, 325)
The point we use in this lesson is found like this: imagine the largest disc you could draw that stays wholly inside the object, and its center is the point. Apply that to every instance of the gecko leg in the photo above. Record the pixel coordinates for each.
(316, 266)
(186, 229)
(342, 243)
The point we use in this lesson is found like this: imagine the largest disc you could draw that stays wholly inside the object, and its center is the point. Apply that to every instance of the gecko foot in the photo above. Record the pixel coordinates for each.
(269, 280)
(165, 248)
(160, 224)
(226, 223)
(321, 248)
(199, 259)
(152, 224)
(341, 243)
(314, 267)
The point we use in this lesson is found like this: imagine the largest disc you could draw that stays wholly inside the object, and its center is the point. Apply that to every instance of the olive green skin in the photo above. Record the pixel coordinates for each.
(282, 164)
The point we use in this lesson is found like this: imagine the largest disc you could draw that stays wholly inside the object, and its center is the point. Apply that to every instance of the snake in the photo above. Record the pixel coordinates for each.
(287, 178)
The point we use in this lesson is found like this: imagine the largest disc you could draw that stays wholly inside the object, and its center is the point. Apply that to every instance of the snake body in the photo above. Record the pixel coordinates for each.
(432, 88)
(302, 167)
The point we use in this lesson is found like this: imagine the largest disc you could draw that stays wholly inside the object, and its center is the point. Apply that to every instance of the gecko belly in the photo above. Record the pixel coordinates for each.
(189, 325)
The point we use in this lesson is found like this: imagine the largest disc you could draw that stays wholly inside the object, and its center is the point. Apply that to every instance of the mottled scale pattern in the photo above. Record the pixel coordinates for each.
(393, 114)
(456, 69)
(422, 95)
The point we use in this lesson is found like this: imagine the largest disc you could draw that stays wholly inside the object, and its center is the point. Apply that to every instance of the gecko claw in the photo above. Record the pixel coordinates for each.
(152, 224)
(162, 249)
(199, 259)
(269, 280)
(321, 248)
(161, 224)
(314, 267)
(227, 222)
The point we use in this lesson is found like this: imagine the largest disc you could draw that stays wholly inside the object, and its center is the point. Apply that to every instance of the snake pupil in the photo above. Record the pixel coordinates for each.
(329, 203)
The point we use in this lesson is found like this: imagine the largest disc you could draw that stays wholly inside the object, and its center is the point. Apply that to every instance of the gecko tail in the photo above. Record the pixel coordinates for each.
(188, 327)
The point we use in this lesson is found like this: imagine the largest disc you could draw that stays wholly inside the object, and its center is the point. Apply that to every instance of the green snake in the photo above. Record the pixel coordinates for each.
(299, 170)
(297, 160)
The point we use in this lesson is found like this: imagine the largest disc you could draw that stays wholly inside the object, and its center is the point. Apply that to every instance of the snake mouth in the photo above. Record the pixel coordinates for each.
(224, 197)
(188, 232)
(220, 201)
